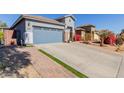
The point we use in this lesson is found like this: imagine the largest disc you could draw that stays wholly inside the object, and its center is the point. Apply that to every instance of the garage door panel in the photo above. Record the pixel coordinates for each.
(44, 36)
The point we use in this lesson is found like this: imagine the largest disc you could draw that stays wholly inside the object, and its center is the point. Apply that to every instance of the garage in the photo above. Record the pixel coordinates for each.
(47, 35)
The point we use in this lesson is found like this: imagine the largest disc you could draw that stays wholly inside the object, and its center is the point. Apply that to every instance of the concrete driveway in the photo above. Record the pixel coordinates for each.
(93, 62)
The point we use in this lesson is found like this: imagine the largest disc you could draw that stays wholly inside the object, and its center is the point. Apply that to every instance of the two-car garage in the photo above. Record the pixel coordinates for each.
(47, 35)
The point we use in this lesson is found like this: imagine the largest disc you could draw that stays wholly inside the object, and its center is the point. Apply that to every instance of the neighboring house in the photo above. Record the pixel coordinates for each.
(96, 36)
(3, 28)
(87, 33)
(37, 29)
(79, 34)
(9, 37)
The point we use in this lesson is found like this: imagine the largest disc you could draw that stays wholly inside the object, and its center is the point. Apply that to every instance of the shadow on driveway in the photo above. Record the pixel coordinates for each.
(11, 60)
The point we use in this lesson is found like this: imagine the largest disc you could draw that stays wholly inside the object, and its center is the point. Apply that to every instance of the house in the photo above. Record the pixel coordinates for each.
(37, 29)
(79, 34)
(87, 33)
(69, 22)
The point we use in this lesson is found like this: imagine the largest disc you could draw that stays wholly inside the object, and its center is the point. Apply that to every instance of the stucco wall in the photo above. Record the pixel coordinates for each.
(35, 23)
(93, 29)
(69, 22)
(30, 24)
(20, 29)
(96, 37)
(9, 38)
(82, 35)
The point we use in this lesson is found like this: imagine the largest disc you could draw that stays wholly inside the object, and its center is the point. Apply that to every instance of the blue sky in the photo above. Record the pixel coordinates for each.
(113, 22)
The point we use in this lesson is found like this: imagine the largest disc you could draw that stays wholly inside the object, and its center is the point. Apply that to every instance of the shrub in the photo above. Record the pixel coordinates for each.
(119, 40)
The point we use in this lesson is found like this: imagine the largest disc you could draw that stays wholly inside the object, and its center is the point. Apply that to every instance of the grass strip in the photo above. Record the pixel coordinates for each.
(74, 71)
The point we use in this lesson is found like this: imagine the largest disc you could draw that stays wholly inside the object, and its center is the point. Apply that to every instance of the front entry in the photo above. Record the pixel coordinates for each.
(70, 34)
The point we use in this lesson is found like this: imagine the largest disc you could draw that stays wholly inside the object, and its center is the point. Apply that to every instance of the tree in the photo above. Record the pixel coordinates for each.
(111, 39)
(103, 35)
(2, 24)
(1, 36)
(119, 42)
(122, 31)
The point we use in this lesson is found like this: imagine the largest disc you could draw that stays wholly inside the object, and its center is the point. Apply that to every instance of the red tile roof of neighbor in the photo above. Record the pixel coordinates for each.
(37, 18)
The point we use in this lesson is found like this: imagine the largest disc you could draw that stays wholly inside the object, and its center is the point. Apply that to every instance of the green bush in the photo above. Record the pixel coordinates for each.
(1, 36)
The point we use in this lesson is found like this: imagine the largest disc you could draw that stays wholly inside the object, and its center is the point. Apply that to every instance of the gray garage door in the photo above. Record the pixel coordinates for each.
(47, 35)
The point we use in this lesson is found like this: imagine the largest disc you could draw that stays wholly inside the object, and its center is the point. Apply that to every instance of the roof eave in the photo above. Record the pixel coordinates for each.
(23, 17)
(17, 21)
(65, 17)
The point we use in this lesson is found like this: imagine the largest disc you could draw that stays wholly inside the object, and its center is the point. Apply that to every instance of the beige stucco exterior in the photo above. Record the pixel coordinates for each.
(96, 37)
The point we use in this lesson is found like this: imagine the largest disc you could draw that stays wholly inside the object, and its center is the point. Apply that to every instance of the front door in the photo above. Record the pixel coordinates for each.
(70, 34)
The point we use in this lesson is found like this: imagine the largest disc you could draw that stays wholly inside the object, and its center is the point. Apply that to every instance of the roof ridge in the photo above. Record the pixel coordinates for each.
(39, 17)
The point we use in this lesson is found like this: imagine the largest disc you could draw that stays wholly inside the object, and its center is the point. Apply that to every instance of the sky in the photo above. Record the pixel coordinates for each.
(113, 22)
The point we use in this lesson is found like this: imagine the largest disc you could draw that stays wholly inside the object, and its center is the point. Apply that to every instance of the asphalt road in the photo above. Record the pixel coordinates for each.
(93, 62)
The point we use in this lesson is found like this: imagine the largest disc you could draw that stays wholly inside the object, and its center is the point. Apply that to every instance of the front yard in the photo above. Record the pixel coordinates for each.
(62, 60)
(28, 62)
(105, 47)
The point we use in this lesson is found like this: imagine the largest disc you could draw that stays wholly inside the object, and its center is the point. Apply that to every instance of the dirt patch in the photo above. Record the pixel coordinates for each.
(106, 47)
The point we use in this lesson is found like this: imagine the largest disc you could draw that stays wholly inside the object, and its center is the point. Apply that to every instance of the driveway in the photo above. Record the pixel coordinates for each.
(91, 61)
(30, 63)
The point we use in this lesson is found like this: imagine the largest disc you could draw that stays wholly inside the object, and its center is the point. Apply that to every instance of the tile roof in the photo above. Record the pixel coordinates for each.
(66, 16)
(37, 18)
(87, 25)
